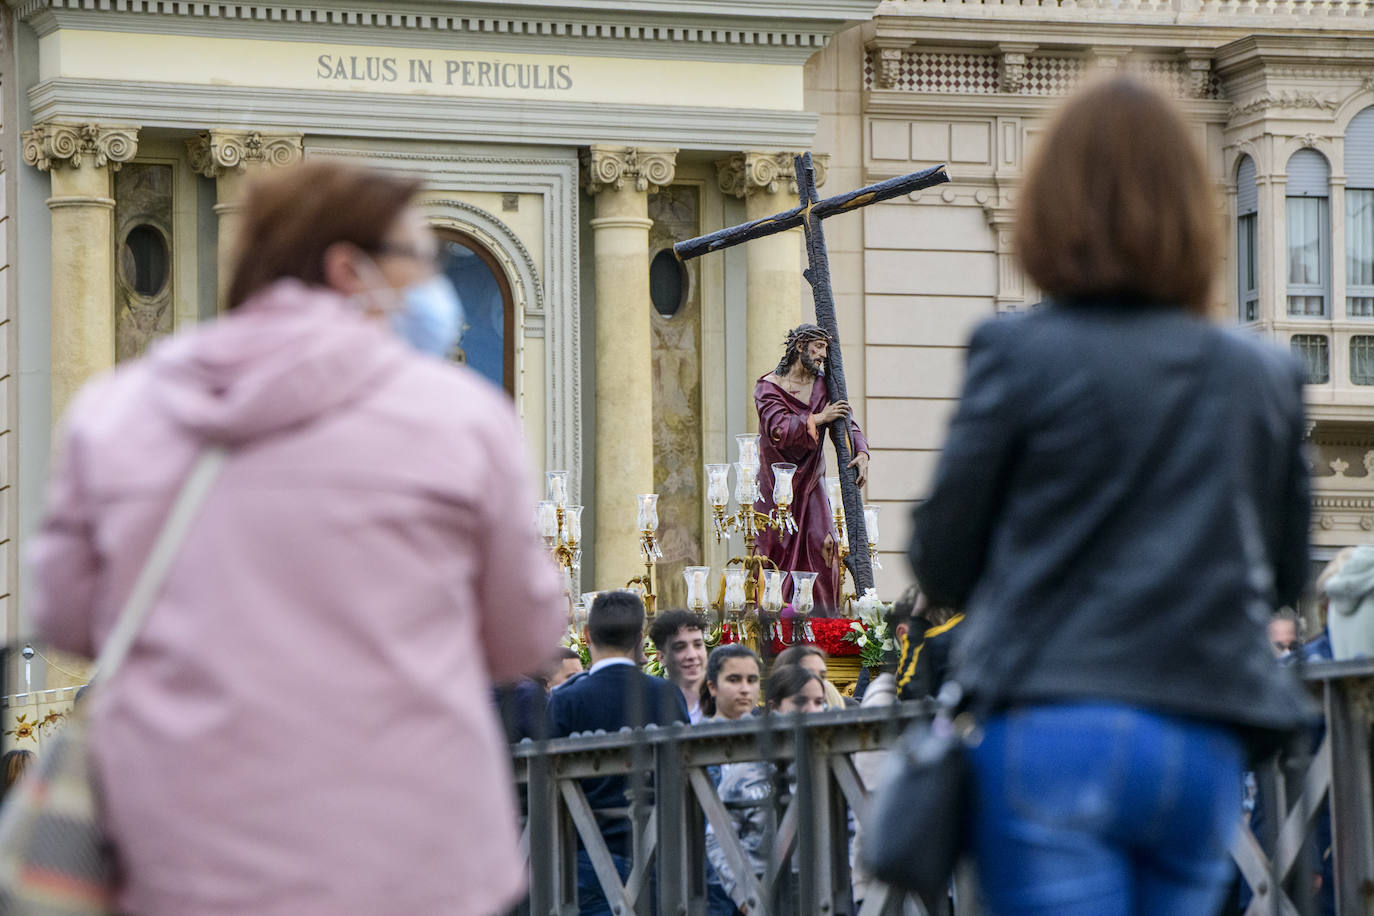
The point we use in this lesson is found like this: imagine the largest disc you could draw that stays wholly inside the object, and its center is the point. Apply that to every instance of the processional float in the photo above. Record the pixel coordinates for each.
(750, 590)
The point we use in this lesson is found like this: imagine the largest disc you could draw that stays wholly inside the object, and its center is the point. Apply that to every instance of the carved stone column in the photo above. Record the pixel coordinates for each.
(620, 179)
(231, 157)
(768, 184)
(79, 159)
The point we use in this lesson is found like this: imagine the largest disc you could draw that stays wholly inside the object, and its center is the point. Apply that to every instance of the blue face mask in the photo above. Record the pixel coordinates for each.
(431, 317)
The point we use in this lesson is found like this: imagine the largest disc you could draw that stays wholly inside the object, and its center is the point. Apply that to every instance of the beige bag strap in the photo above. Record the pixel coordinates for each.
(154, 573)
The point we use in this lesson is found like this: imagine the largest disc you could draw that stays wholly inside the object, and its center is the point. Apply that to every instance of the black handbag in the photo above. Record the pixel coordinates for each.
(916, 829)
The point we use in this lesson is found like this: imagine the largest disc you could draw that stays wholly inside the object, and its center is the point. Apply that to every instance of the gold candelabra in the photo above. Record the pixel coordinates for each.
(648, 546)
(561, 527)
(749, 583)
(832, 490)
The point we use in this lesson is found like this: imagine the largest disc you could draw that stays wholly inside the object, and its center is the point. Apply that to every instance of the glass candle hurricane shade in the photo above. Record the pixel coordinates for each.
(546, 517)
(871, 527)
(871, 524)
(748, 444)
(558, 488)
(832, 493)
(772, 590)
(782, 484)
(648, 511)
(718, 485)
(802, 602)
(734, 589)
(746, 485)
(572, 524)
(696, 577)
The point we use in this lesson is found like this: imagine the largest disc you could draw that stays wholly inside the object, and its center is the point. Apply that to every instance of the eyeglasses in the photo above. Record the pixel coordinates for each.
(427, 257)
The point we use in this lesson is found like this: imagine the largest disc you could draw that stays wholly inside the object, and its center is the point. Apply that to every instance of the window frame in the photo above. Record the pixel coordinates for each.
(1293, 345)
(459, 237)
(1353, 290)
(1321, 289)
(1247, 261)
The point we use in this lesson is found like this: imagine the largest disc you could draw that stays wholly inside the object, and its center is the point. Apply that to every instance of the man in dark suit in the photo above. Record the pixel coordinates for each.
(612, 694)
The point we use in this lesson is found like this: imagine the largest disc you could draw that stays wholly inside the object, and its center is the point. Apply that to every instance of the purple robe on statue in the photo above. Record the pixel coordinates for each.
(787, 434)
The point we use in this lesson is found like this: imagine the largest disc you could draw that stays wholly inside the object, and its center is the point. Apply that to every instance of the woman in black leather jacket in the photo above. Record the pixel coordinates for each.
(1121, 503)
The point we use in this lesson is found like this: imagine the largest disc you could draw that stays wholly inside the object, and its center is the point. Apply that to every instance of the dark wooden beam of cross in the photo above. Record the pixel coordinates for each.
(808, 215)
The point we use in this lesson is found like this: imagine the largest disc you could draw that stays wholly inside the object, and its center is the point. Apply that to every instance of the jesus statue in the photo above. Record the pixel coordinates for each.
(794, 411)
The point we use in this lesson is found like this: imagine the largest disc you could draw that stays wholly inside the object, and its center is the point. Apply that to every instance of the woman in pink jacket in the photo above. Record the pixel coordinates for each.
(302, 726)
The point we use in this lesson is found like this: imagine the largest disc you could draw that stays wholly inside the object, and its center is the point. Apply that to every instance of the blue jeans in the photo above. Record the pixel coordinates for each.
(1100, 809)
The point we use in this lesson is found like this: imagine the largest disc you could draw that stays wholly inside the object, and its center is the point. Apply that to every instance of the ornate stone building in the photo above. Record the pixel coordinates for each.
(1281, 93)
(568, 145)
(565, 148)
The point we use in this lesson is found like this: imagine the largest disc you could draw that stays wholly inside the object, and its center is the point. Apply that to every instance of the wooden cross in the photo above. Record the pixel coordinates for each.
(809, 215)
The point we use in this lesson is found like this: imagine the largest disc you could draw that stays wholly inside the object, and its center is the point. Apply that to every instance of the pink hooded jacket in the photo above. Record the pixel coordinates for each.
(304, 725)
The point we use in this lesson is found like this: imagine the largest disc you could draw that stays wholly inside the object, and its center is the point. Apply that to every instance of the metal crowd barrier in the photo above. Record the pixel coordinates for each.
(1279, 865)
(673, 798)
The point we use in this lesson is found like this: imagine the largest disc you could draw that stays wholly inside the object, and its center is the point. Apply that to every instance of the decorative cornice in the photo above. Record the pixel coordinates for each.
(326, 113)
(383, 13)
(1283, 100)
(217, 151)
(707, 29)
(751, 172)
(1197, 14)
(607, 166)
(52, 144)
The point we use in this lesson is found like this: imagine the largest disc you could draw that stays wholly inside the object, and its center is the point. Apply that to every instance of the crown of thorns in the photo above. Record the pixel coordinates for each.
(804, 333)
(801, 334)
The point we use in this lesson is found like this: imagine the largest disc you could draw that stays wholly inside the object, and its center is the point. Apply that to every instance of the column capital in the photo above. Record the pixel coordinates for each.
(216, 151)
(51, 144)
(752, 172)
(605, 166)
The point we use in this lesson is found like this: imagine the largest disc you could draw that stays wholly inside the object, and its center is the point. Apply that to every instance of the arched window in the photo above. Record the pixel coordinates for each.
(1247, 210)
(1309, 234)
(1359, 216)
(489, 313)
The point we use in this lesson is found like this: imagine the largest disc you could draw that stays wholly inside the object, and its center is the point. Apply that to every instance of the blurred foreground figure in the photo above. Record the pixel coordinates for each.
(1121, 504)
(299, 727)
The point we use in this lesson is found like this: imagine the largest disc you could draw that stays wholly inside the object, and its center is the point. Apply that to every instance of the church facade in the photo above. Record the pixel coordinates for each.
(567, 147)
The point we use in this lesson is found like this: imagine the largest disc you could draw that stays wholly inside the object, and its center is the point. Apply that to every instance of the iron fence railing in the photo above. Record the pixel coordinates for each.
(818, 789)
(673, 798)
(1281, 861)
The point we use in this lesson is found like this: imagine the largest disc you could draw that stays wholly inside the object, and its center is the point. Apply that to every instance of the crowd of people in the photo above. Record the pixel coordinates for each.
(724, 683)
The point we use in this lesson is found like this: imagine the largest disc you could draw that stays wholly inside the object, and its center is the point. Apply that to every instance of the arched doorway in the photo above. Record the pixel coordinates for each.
(488, 345)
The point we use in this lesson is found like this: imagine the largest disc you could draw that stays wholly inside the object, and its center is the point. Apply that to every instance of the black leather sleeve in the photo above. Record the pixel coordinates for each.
(951, 527)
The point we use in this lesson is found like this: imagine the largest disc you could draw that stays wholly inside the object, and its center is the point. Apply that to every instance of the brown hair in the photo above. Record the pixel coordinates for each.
(16, 763)
(1117, 202)
(793, 655)
(292, 215)
(787, 681)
